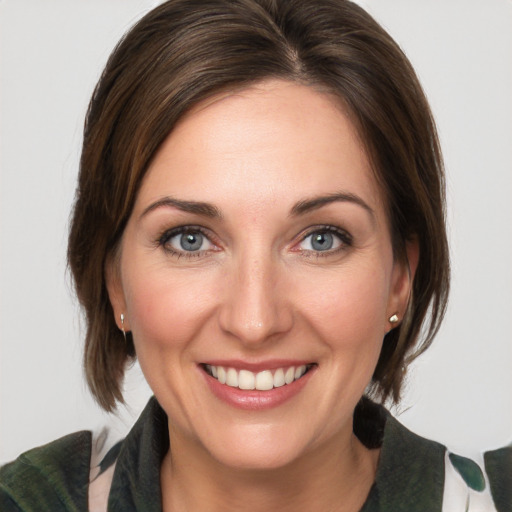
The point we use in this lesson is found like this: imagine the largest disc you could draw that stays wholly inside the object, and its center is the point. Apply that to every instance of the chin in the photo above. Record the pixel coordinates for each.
(249, 459)
(257, 448)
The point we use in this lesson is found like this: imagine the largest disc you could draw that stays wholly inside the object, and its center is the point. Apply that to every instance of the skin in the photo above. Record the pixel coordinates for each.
(259, 290)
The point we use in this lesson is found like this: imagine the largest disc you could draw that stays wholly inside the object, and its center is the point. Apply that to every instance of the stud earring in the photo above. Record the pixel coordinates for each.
(393, 319)
(121, 316)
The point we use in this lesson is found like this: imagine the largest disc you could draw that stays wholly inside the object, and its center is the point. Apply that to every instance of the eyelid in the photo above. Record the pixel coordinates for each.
(167, 234)
(345, 238)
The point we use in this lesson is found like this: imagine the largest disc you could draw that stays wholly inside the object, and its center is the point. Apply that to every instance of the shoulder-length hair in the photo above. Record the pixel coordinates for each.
(186, 51)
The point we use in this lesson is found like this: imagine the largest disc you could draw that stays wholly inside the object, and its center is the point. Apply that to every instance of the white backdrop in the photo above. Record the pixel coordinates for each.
(51, 54)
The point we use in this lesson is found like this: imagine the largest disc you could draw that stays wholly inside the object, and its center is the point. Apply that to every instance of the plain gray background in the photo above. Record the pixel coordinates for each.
(51, 54)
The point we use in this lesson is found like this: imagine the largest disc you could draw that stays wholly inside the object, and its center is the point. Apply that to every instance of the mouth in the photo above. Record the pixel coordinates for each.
(264, 380)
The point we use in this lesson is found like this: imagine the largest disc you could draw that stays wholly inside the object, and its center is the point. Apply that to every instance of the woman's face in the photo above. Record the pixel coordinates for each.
(259, 249)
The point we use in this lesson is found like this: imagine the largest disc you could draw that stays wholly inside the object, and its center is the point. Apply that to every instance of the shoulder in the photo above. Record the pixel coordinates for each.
(498, 465)
(410, 475)
(438, 478)
(51, 477)
(410, 472)
(415, 473)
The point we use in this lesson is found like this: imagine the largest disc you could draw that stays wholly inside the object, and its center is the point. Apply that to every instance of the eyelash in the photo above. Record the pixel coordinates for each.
(343, 236)
(166, 236)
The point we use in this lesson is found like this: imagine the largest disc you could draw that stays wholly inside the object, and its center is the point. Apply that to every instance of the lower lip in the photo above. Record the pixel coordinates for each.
(254, 400)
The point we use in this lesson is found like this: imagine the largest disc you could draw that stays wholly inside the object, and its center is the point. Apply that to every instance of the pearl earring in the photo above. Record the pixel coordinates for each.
(122, 325)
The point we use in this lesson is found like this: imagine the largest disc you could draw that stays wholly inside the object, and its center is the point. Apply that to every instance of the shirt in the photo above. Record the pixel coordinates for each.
(413, 474)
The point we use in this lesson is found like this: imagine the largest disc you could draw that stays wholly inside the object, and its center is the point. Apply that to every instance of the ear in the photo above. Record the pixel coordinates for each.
(402, 280)
(115, 290)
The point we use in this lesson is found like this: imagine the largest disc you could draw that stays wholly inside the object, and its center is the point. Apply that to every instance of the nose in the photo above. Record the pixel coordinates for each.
(256, 307)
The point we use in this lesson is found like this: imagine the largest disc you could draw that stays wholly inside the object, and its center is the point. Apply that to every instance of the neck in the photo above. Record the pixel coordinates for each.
(334, 477)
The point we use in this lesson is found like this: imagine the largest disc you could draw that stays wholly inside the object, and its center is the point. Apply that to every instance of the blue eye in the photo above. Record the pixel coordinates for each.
(322, 241)
(185, 240)
(325, 240)
(191, 241)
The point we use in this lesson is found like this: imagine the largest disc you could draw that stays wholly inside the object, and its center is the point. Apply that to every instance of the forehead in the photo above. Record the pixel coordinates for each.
(273, 142)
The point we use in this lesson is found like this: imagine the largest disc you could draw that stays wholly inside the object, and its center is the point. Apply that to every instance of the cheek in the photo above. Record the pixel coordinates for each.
(349, 309)
(165, 309)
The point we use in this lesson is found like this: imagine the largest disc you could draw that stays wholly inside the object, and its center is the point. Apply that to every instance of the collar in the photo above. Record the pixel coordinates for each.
(136, 482)
(410, 474)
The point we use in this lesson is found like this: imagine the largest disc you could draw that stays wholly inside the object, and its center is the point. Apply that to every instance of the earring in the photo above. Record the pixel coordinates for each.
(393, 319)
(122, 325)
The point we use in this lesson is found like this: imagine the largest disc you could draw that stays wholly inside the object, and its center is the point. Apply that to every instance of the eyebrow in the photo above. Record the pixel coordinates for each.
(300, 208)
(197, 207)
(308, 205)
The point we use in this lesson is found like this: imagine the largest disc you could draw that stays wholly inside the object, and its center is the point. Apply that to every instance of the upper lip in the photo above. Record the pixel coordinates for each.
(270, 364)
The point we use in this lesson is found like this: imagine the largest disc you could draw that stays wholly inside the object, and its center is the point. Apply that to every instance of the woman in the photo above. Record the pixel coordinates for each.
(260, 219)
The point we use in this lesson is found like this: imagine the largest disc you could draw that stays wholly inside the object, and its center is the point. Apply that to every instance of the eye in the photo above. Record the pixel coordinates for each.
(186, 241)
(328, 239)
(190, 241)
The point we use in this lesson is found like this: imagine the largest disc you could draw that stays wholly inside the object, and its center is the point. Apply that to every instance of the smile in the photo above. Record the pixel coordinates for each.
(264, 380)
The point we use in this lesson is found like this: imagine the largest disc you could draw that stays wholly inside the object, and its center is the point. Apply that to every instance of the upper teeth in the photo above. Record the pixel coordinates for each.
(262, 381)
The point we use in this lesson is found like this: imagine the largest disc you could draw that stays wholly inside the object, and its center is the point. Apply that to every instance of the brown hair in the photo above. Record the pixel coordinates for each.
(185, 51)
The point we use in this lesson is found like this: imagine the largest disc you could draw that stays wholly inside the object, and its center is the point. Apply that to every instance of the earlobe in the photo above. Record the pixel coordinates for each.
(402, 282)
(116, 293)
(121, 316)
